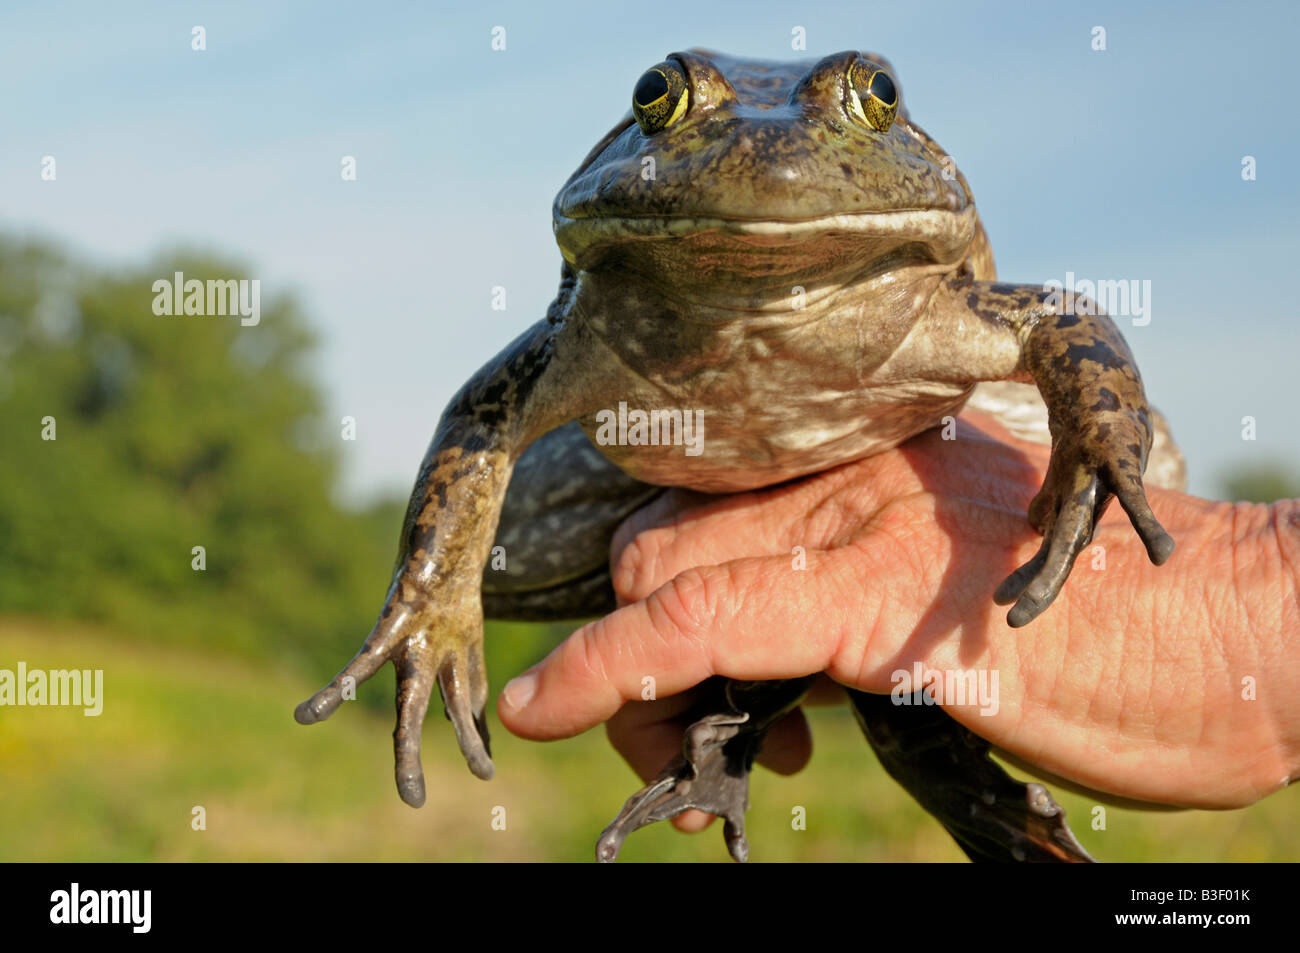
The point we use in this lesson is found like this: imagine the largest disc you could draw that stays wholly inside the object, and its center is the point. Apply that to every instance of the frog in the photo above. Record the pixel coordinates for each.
(777, 252)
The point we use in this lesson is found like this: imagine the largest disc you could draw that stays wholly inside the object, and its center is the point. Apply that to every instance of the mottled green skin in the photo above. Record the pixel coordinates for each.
(819, 291)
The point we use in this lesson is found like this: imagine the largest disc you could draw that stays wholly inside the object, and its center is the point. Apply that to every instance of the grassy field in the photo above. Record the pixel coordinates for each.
(183, 729)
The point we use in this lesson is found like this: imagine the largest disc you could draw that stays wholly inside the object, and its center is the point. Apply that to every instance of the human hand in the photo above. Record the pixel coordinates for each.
(1130, 684)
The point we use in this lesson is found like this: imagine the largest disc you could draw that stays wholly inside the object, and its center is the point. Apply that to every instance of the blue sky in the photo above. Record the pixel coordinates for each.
(1117, 164)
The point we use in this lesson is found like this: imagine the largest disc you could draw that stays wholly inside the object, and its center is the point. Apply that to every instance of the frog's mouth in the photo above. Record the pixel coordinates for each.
(946, 232)
(761, 258)
(919, 222)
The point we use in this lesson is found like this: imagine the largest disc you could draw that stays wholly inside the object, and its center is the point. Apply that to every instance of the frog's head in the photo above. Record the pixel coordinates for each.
(746, 176)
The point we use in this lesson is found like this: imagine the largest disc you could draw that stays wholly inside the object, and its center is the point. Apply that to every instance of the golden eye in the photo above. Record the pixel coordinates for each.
(660, 97)
(873, 98)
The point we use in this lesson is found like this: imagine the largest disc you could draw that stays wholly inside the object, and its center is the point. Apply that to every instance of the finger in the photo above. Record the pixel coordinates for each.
(414, 688)
(664, 512)
(646, 745)
(693, 821)
(649, 735)
(747, 619)
(376, 650)
(1132, 496)
(824, 692)
(680, 531)
(787, 748)
(671, 707)
(1070, 532)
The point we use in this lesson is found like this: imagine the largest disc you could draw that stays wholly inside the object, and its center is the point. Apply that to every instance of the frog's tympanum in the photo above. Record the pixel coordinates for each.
(789, 274)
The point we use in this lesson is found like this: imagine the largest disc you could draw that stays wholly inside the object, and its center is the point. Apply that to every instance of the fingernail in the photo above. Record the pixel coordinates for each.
(520, 691)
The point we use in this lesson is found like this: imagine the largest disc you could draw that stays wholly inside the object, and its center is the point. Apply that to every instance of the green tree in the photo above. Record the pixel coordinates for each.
(172, 433)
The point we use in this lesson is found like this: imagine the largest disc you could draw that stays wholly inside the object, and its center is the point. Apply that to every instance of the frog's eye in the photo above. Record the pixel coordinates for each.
(873, 98)
(660, 97)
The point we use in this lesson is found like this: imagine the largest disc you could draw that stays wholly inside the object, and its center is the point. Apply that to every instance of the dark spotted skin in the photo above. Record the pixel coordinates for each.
(431, 627)
(947, 768)
(1100, 424)
(819, 290)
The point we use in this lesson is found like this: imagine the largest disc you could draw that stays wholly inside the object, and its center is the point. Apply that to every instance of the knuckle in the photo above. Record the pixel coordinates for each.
(588, 651)
(639, 565)
(622, 736)
(687, 605)
(891, 545)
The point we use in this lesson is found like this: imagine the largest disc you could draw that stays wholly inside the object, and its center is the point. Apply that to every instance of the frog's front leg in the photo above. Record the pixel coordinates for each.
(1097, 411)
(431, 626)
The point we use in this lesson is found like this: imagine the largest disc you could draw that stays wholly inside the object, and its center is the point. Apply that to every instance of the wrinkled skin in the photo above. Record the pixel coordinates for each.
(815, 289)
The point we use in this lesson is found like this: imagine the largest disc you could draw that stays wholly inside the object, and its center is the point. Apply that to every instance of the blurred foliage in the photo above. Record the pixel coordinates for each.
(183, 727)
(1261, 483)
(174, 432)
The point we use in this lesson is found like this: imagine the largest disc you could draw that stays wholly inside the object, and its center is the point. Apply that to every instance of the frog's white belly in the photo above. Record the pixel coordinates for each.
(732, 446)
(725, 449)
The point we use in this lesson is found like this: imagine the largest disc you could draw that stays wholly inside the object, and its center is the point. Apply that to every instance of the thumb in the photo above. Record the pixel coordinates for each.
(755, 618)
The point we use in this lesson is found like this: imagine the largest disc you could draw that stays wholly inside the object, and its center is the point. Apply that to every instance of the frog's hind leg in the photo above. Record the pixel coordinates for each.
(712, 774)
(947, 768)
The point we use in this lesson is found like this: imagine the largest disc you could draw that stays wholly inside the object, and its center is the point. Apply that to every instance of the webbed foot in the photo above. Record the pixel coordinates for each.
(712, 775)
(426, 648)
(1102, 457)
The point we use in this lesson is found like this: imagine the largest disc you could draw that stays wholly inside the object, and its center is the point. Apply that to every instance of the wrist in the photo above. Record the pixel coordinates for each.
(1279, 647)
(1233, 607)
